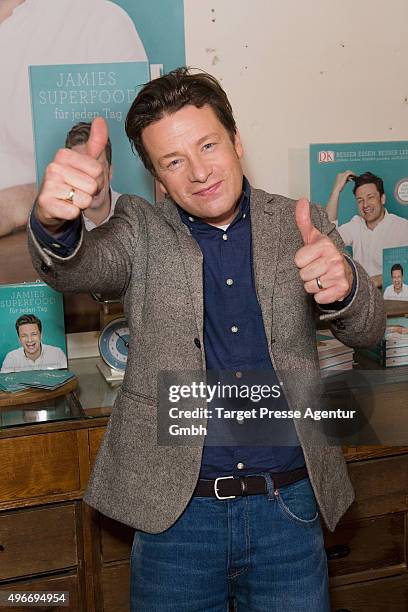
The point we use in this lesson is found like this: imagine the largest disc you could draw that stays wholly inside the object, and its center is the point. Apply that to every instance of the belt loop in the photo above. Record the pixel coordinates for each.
(269, 486)
(244, 486)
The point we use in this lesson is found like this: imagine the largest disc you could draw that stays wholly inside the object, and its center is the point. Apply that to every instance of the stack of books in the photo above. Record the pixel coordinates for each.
(50, 380)
(333, 354)
(395, 345)
(392, 350)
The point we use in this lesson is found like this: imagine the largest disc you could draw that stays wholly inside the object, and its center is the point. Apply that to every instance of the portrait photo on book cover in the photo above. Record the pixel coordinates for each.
(395, 274)
(32, 328)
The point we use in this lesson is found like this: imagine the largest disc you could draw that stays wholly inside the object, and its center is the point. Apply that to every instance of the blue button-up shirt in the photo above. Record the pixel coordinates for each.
(234, 336)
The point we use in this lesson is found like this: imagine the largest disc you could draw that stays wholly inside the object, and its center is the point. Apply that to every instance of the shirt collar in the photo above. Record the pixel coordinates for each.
(242, 211)
(364, 224)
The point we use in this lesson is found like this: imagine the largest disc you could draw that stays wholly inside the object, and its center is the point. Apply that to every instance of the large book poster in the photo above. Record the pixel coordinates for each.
(32, 334)
(63, 96)
(64, 33)
(364, 187)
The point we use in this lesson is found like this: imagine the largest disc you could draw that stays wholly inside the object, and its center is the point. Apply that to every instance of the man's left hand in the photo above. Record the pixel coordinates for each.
(324, 270)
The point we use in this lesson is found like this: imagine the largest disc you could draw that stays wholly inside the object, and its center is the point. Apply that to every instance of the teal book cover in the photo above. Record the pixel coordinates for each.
(32, 334)
(395, 274)
(64, 95)
(388, 160)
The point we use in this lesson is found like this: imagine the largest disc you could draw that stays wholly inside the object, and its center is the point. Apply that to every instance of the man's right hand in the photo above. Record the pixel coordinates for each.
(69, 171)
(341, 180)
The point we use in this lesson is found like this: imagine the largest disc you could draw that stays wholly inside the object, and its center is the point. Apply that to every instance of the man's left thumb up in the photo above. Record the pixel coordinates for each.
(308, 231)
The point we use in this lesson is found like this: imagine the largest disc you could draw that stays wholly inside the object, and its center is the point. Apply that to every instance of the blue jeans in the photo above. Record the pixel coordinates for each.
(264, 551)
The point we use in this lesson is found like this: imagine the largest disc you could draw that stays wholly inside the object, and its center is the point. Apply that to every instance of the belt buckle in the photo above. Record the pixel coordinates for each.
(216, 490)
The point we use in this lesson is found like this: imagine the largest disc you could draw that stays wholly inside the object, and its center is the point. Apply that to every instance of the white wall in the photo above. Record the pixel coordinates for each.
(303, 71)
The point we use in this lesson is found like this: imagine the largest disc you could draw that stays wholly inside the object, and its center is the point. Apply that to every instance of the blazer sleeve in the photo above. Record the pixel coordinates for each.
(102, 260)
(361, 323)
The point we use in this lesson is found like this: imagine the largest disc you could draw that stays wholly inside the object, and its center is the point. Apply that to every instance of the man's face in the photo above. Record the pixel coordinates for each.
(197, 163)
(104, 194)
(370, 203)
(30, 338)
(397, 280)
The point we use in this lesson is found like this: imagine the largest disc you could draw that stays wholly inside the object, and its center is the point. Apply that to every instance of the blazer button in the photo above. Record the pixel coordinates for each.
(44, 267)
(197, 342)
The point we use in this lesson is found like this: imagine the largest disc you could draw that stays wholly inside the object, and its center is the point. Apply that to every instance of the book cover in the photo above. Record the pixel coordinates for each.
(32, 335)
(395, 274)
(367, 226)
(64, 95)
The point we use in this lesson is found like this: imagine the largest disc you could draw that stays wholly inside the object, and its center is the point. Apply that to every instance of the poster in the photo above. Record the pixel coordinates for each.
(32, 335)
(66, 32)
(370, 217)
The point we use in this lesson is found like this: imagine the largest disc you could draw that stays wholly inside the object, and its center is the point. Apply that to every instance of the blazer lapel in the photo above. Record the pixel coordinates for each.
(192, 258)
(265, 223)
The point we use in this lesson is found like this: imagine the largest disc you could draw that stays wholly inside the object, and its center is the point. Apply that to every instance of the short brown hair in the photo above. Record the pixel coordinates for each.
(28, 319)
(79, 134)
(396, 267)
(366, 179)
(170, 93)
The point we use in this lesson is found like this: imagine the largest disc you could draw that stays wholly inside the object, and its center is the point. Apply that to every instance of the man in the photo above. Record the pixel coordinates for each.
(374, 228)
(218, 277)
(398, 290)
(33, 354)
(42, 32)
(103, 204)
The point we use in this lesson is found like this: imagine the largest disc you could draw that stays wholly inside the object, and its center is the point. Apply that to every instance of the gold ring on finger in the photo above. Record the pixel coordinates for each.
(70, 196)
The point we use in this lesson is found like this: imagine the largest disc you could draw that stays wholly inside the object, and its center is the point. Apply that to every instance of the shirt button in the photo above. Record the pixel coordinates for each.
(244, 215)
(240, 465)
(234, 329)
(55, 245)
(229, 282)
(224, 237)
(191, 219)
(238, 374)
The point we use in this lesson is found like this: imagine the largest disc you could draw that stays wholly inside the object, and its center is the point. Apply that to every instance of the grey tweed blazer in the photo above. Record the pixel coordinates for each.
(146, 255)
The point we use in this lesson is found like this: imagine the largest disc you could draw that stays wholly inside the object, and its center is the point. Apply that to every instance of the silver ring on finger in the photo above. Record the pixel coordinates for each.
(319, 283)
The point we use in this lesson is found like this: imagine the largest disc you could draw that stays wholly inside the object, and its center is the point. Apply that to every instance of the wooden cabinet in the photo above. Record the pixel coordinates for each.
(50, 540)
(388, 594)
(45, 533)
(367, 552)
(51, 532)
(68, 582)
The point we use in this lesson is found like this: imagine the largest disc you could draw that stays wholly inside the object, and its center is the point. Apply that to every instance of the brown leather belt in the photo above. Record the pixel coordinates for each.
(228, 487)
